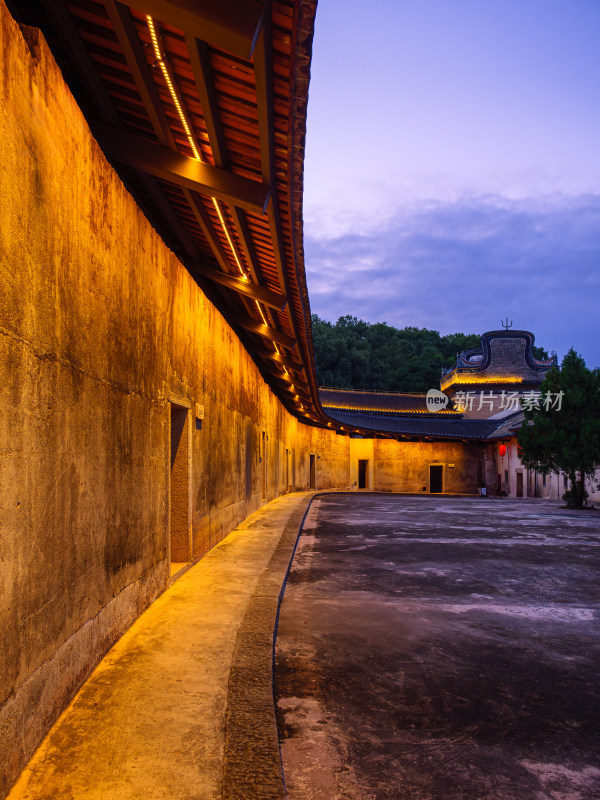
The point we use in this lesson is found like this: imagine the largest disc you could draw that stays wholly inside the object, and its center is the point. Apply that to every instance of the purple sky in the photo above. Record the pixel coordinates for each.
(453, 166)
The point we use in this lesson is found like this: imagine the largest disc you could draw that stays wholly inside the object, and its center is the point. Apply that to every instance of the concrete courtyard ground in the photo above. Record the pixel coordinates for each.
(438, 648)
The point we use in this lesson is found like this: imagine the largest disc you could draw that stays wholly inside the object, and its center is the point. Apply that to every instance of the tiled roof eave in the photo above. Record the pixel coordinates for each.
(375, 413)
(433, 426)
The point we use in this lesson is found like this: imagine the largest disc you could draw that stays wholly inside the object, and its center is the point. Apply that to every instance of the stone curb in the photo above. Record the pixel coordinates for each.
(252, 768)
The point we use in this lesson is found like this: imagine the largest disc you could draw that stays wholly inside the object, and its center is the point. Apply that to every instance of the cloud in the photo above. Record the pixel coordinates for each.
(465, 265)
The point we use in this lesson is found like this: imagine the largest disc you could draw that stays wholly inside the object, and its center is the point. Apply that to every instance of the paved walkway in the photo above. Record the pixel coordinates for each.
(437, 648)
(182, 705)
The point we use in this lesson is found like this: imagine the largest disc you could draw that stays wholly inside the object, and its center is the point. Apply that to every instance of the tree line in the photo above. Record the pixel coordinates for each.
(354, 354)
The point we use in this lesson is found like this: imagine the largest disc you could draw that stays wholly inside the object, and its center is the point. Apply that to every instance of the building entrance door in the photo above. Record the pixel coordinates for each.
(363, 464)
(287, 470)
(313, 471)
(264, 465)
(436, 474)
(519, 484)
(179, 486)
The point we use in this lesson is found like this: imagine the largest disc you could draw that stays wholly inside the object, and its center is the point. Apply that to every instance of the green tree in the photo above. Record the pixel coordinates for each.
(540, 353)
(354, 354)
(566, 438)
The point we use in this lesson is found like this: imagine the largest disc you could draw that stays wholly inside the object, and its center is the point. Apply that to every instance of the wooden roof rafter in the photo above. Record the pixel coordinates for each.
(231, 25)
(228, 208)
(189, 173)
(207, 99)
(201, 66)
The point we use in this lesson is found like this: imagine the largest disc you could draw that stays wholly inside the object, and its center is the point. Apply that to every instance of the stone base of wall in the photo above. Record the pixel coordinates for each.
(35, 705)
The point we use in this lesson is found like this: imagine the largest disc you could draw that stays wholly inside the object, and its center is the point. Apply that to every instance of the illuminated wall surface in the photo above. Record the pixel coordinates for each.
(108, 350)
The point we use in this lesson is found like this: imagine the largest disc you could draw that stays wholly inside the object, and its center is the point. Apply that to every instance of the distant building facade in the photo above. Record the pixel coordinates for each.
(489, 382)
(486, 388)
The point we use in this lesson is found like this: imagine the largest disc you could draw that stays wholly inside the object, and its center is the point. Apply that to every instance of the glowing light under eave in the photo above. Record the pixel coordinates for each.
(466, 379)
(445, 411)
(178, 106)
(192, 142)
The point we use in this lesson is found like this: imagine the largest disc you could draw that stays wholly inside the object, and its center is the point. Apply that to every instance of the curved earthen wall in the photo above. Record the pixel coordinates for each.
(102, 333)
(127, 404)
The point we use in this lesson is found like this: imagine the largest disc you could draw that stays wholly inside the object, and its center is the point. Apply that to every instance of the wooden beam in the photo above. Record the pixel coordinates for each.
(240, 286)
(173, 220)
(278, 358)
(291, 395)
(81, 59)
(241, 227)
(230, 25)
(286, 377)
(263, 71)
(293, 384)
(201, 67)
(205, 85)
(182, 171)
(125, 29)
(293, 391)
(63, 22)
(124, 26)
(264, 330)
(205, 223)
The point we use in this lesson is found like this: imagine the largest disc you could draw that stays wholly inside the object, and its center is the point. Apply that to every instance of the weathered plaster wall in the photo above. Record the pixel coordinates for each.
(404, 466)
(394, 466)
(333, 459)
(363, 450)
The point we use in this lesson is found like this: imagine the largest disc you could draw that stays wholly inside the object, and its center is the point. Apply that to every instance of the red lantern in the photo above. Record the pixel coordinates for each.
(502, 450)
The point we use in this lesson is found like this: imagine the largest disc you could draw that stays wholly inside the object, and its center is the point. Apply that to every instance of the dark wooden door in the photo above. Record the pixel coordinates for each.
(436, 472)
(362, 473)
(519, 484)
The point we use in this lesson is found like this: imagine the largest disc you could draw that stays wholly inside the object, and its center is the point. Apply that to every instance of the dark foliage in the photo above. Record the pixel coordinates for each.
(353, 354)
(562, 434)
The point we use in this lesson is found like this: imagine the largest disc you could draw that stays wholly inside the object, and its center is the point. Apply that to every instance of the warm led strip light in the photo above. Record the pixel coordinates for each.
(445, 411)
(466, 378)
(226, 231)
(161, 62)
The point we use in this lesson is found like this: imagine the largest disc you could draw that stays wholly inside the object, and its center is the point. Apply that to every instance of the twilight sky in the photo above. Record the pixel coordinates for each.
(452, 170)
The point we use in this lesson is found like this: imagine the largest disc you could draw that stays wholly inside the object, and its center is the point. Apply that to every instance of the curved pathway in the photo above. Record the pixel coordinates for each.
(181, 708)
